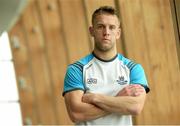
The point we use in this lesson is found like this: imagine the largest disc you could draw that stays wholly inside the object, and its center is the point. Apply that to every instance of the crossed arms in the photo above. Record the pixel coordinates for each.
(88, 106)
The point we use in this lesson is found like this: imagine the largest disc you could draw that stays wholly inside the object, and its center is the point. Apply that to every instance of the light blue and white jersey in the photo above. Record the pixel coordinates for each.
(92, 74)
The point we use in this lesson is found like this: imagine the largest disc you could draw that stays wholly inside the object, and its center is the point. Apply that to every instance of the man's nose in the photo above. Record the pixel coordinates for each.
(106, 31)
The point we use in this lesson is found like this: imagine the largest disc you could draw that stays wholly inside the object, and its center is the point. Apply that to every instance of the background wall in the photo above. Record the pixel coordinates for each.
(54, 33)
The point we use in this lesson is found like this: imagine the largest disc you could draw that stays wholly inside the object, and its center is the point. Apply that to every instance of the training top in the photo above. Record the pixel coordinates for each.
(92, 74)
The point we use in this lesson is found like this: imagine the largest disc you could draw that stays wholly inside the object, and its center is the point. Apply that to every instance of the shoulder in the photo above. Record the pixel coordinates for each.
(83, 61)
(128, 62)
(77, 66)
(137, 74)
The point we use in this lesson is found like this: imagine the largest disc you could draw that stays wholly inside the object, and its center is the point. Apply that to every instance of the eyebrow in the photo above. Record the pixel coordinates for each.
(99, 24)
(105, 24)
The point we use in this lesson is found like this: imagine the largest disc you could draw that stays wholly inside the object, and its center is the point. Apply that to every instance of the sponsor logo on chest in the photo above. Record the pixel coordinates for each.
(91, 81)
(121, 80)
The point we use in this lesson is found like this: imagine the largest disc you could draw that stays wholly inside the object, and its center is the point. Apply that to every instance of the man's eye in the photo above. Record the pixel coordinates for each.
(112, 27)
(100, 26)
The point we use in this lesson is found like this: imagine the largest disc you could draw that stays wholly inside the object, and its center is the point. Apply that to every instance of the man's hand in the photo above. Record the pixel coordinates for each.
(131, 90)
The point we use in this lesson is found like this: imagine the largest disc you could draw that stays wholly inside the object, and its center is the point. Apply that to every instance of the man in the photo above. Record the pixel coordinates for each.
(104, 87)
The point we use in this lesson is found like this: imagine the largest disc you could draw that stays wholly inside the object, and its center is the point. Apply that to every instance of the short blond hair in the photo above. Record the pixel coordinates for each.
(104, 10)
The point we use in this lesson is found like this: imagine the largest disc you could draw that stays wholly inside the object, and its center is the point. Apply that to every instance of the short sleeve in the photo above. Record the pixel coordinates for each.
(73, 79)
(137, 76)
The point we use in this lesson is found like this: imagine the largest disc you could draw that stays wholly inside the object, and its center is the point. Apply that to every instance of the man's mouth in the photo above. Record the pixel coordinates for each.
(106, 39)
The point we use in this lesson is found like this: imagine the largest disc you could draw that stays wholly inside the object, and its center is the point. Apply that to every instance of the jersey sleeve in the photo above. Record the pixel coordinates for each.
(137, 76)
(73, 79)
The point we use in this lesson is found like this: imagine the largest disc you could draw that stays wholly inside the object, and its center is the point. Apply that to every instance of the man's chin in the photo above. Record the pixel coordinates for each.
(104, 49)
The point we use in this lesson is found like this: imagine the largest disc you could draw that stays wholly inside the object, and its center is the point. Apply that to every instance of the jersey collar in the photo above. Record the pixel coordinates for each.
(110, 60)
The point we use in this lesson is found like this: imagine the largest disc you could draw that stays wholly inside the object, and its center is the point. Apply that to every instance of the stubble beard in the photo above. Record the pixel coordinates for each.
(104, 48)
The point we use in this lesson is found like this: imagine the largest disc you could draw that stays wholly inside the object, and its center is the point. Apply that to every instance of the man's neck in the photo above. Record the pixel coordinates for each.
(105, 55)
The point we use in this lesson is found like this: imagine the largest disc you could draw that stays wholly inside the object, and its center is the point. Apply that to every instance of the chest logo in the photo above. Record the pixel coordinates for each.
(121, 80)
(92, 81)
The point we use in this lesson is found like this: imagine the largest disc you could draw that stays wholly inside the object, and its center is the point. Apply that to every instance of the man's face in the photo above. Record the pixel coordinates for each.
(105, 31)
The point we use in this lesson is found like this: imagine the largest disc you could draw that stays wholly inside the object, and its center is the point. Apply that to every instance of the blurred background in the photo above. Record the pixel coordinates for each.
(39, 38)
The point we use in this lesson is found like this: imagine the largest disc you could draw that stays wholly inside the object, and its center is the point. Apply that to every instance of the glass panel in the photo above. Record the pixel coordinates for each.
(10, 114)
(8, 87)
(5, 51)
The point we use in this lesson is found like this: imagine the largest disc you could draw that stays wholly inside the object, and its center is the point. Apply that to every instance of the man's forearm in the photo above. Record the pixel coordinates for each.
(122, 104)
(80, 111)
(87, 112)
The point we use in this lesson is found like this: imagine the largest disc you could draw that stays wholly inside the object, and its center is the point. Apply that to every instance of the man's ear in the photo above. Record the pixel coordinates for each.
(91, 30)
(118, 33)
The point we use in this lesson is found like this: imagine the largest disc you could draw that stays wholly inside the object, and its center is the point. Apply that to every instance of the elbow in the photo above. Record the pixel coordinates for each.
(136, 110)
(137, 106)
(76, 117)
